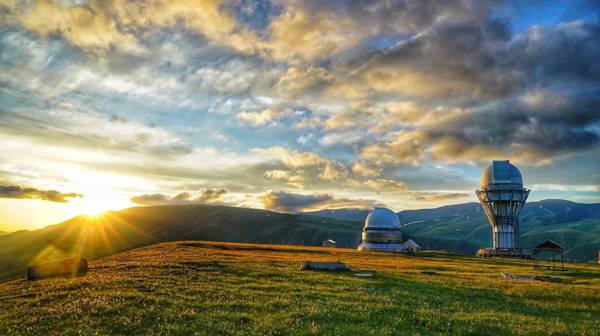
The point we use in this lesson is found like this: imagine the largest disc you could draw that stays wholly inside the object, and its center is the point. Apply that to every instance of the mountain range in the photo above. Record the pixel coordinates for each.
(461, 227)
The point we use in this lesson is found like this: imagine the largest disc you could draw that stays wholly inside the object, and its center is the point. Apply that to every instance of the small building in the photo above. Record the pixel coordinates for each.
(548, 247)
(598, 256)
(329, 243)
(412, 246)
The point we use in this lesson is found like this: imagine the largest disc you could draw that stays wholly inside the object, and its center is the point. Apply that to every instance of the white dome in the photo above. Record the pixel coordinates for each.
(382, 218)
(501, 173)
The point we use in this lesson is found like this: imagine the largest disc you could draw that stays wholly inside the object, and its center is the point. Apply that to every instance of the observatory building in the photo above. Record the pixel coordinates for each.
(382, 232)
(502, 197)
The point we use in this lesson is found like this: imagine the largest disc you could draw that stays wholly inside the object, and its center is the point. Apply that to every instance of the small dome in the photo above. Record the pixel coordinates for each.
(382, 218)
(501, 173)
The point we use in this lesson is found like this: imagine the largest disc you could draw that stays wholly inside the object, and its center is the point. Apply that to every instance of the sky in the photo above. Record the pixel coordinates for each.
(292, 105)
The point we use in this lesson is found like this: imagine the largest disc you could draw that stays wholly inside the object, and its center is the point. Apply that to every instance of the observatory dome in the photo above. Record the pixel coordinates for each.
(382, 218)
(501, 174)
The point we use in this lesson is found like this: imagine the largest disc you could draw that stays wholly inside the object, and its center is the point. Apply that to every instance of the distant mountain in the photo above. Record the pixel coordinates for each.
(574, 225)
(2, 233)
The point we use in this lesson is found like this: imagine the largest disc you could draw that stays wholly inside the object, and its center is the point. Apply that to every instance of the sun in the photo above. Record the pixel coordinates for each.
(101, 193)
(90, 207)
(95, 205)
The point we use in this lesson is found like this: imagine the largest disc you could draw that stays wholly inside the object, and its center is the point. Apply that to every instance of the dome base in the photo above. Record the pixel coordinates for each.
(382, 247)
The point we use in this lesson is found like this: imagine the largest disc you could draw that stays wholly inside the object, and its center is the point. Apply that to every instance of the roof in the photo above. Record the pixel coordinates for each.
(330, 241)
(548, 245)
(382, 218)
(501, 173)
(411, 243)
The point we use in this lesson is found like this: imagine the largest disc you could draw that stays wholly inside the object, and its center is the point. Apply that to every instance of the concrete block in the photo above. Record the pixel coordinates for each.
(324, 266)
(63, 268)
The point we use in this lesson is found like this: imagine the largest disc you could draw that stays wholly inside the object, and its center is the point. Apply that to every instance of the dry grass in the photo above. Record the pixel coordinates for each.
(224, 288)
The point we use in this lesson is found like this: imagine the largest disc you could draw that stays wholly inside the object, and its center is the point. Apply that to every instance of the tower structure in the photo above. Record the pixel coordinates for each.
(382, 232)
(502, 197)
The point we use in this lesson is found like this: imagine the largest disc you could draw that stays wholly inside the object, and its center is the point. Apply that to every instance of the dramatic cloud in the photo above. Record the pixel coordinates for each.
(100, 25)
(12, 191)
(202, 196)
(405, 148)
(290, 202)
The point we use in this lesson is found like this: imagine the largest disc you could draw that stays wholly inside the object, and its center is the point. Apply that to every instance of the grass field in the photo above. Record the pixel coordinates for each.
(200, 288)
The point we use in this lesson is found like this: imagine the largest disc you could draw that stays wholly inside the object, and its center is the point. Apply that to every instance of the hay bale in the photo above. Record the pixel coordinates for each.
(324, 266)
(63, 268)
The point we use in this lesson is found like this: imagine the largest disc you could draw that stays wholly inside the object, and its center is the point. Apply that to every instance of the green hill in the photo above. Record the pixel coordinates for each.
(203, 288)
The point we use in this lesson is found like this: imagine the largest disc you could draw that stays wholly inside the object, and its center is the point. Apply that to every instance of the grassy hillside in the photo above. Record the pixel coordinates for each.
(118, 231)
(192, 287)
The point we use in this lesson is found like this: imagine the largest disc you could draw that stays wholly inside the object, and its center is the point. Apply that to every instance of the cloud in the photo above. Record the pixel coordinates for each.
(345, 120)
(203, 196)
(209, 195)
(437, 197)
(303, 80)
(298, 33)
(100, 25)
(233, 77)
(407, 147)
(277, 174)
(156, 199)
(383, 185)
(333, 172)
(263, 117)
(296, 159)
(12, 191)
(435, 63)
(514, 128)
(305, 167)
(71, 126)
(365, 170)
(306, 31)
(290, 202)
(83, 26)
(308, 123)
